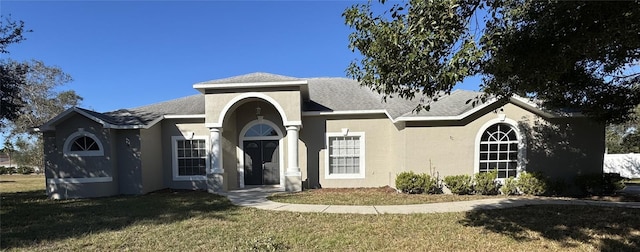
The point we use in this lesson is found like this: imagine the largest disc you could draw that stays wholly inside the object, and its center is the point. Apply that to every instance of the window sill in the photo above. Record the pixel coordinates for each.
(345, 176)
(189, 178)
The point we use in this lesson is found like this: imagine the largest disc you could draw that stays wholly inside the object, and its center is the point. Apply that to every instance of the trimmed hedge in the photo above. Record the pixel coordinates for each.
(532, 183)
(25, 170)
(7, 170)
(459, 184)
(510, 187)
(485, 183)
(412, 183)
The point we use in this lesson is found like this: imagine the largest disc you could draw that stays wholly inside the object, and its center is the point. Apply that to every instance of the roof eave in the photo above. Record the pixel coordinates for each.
(202, 87)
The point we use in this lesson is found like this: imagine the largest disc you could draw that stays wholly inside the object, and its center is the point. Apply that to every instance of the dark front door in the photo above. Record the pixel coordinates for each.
(261, 165)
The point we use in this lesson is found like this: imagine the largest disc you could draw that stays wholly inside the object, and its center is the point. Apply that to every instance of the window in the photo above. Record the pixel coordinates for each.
(82, 143)
(260, 130)
(499, 150)
(345, 155)
(190, 158)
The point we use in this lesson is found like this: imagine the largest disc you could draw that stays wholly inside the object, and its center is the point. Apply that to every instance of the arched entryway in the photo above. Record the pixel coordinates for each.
(261, 159)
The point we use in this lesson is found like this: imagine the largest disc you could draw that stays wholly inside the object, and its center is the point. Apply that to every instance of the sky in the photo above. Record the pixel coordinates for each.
(125, 54)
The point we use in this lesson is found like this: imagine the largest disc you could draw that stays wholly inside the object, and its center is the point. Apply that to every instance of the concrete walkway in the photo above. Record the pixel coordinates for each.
(257, 198)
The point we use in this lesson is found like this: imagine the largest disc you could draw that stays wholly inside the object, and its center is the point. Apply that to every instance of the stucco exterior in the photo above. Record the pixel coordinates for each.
(169, 145)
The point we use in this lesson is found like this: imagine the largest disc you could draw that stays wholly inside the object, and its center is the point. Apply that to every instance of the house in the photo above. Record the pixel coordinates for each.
(267, 129)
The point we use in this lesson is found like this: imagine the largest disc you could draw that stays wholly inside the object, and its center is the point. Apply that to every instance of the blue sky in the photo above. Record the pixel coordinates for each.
(124, 54)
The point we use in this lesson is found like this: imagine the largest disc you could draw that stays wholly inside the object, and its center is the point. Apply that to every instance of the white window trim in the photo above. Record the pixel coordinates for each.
(345, 133)
(521, 145)
(81, 133)
(174, 157)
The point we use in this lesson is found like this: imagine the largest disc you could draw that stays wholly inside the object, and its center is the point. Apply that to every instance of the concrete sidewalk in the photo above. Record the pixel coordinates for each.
(257, 198)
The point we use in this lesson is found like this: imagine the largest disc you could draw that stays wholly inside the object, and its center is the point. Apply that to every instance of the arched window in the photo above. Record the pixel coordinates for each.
(260, 130)
(499, 150)
(82, 143)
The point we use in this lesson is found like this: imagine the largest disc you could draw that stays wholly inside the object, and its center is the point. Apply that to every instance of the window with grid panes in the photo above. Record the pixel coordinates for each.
(344, 155)
(499, 150)
(192, 157)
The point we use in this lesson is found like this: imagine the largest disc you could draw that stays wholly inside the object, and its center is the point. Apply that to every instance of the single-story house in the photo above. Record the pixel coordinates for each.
(294, 133)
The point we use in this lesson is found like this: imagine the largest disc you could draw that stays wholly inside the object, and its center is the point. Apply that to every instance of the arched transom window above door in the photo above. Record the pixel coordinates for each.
(260, 130)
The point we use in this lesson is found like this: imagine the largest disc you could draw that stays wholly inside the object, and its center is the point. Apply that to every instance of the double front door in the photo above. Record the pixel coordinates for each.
(261, 165)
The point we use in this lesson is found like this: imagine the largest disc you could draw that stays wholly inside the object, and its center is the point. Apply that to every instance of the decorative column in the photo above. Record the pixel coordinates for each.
(215, 176)
(293, 177)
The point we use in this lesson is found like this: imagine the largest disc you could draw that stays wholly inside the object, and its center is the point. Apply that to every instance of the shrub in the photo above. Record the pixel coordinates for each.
(431, 185)
(600, 184)
(532, 183)
(510, 187)
(409, 182)
(25, 170)
(7, 170)
(556, 187)
(485, 183)
(412, 183)
(459, 184)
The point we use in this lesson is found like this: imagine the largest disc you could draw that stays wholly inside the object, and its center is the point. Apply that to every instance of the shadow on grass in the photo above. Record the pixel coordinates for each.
(29, 217)
(606, 228)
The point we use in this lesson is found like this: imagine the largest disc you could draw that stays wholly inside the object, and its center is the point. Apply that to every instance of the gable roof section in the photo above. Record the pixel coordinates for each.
(326, 96)
(252, 78)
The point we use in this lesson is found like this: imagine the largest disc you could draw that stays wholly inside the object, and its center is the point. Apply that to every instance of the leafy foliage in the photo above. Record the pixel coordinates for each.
(531, 183)
(510, 187)
(25, 170)
(11, 32)
(409, 182)
(29, 96)
(624, 137)
(41, 100)
(600, 184)
(12, 74)
(459, 184)
(412, 183)
(570, 56)
(485, 183)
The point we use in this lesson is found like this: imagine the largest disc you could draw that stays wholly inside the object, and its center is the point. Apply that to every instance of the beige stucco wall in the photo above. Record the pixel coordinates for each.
(152, 163)
(449, 148)
(379, 156)
(288, 100)
(180, 127)
(559, 148)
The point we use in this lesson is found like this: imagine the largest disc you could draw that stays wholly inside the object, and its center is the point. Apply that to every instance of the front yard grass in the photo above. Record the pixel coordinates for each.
(198, 221)
(368, 197)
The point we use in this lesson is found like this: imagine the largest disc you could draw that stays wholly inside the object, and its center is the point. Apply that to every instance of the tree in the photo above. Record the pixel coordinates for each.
(12, 75)
(41, 100)
(29, 96)
(11, 32)
(40, 103)
(624, 137)
(574, 56)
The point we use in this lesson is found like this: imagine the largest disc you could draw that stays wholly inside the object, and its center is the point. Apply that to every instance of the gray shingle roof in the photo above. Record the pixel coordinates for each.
(326, 94)
(252, 78)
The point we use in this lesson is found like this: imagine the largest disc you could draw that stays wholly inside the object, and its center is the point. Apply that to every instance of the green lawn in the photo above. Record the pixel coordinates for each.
(368, 196)
(198, 221)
